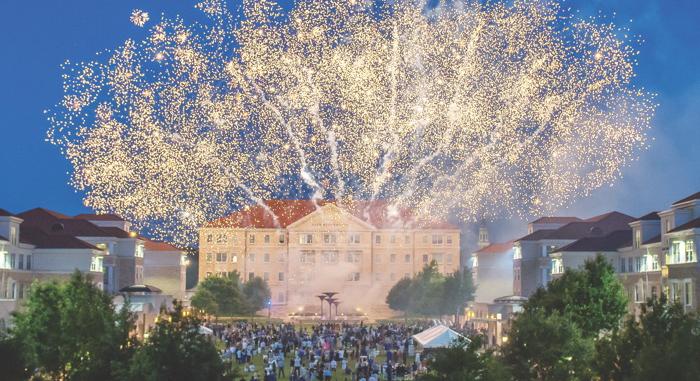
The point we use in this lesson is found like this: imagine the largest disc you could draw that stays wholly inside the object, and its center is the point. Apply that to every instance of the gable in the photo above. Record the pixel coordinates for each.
(330, 218)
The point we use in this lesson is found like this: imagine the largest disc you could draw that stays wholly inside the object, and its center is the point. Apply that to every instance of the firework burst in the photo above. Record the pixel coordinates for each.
(467, 110)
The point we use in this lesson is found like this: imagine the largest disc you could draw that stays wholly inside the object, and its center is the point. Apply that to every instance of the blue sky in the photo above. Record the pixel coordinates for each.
(37, 36)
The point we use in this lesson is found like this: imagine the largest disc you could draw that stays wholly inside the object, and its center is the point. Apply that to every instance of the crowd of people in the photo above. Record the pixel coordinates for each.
(324, 352)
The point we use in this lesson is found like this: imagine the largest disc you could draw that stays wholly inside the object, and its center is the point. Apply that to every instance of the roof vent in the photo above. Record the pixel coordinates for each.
(596, 231)
(57, 227)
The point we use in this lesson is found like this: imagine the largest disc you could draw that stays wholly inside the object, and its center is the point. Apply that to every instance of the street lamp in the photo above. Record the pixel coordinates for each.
(269, 307)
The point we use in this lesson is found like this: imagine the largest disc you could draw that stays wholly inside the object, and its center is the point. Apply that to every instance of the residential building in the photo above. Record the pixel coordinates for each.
(532, 265)
(302, 248)
(492, 272)
(41, 244)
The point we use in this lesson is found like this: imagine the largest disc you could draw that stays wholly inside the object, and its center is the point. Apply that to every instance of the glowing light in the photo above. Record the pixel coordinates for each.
(471, 111)
(139, 17)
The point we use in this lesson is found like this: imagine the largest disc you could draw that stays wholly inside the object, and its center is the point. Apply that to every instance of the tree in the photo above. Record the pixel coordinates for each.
(221, 296)
(176, 350)
(257, 294)
(399, 297)
(71, 331)
(663, 344)
(458, 289)
(548, 346)
(593, 298)
(12, 362)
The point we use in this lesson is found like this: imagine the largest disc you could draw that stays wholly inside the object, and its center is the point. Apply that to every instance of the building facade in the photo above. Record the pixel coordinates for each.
(40, 244)
(302, 249)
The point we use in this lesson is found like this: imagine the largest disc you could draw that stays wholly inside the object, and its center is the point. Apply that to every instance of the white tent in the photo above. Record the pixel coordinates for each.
(439, 336)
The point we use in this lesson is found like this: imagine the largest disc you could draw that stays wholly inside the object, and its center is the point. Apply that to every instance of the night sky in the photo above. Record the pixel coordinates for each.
(37, 36)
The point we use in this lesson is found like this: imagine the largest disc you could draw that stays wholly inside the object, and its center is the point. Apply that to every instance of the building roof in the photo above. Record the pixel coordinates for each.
(594, 226)
(159, 246)
(555, 220)
(43, 240)
(59, 224)
(610, 242)
(694, 196)
(692, 224)
(653, 216)
(496, 248)
(3, 238)
(99, 217)
(286, 212)
(5, 213)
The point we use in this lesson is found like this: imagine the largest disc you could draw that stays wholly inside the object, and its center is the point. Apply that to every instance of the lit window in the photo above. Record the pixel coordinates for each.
(234, 258)
(690, 251)
(637, 238)
(210, 238)
(221, 238)
(354, 238)
(139, 251)
(306, 239)
(517, 252)
(437, 239)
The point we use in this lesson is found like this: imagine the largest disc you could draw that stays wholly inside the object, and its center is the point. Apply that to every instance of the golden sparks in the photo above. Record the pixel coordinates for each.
(139, 17)
(467, 110)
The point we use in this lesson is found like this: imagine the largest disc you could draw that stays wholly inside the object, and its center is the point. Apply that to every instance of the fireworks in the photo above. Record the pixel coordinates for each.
(139, 17)
(467, 110)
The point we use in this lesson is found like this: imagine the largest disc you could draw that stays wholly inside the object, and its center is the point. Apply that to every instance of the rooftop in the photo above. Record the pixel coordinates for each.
(99, 217)
(555, 220)
(694, 196)
(610, 242)
(496, 248)
(282, 213)
(692, 224)
(594, 226)
(653, 216)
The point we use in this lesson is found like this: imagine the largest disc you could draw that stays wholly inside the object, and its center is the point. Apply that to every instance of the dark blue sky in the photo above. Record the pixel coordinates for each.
(37, 36)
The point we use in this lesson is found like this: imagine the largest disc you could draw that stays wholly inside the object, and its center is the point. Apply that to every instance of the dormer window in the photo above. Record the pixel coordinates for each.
(13, 235)
(637, 238)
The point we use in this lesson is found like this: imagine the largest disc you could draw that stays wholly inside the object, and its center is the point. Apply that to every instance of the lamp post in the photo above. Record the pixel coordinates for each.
(269, 307)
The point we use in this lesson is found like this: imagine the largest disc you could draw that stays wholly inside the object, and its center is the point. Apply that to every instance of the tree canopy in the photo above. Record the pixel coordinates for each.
(228, 296)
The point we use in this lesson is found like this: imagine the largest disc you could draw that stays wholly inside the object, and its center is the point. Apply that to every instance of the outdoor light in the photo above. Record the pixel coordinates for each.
(504, 339)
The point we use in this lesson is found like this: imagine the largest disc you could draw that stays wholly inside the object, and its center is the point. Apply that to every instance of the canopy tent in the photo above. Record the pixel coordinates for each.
(439, 336)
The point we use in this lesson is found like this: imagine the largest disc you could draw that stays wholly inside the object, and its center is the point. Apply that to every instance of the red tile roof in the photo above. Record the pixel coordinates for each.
(159, 246)
(610, 242)
(555, 220)
(287, 212)
(496, 248)
(99, 217)
(692, 224)
(694, 196)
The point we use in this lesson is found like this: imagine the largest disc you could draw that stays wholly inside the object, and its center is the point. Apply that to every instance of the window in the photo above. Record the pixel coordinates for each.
(354, 256)
(251, 275)
(280, 239)
(437, 239)
(330, 257)
(377, 239)
(29, 262)
(407, 239)
(307, 256)
(630, 264)
(623, 268)
(676, 252)
(654, 262)
(676, 292)
(266, 257)
(557, 266)
(280, 297)
(438, 257)
(221, 257)
(139, 251)
(221, 238)
(209, 258)
(96, 264)
(392, 258)
(251, 257)
(392, 239)
(407, 258)
(690, 251)
(21, 262)
(266, 238)
(280, 277)
(251, 238)
(12, 261)
(425, 258)
(354, 238)
(688, 293)
(266, 277)
(13, 235)
(330, 239)
(281, 257)
(637, 238)
(353, 277)
(448, 239)
(210, 238)
(306, 239)
(638, 264)
(517, 252)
